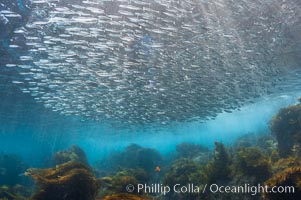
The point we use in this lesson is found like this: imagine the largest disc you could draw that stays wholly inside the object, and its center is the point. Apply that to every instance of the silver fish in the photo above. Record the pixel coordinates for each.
(156, 61)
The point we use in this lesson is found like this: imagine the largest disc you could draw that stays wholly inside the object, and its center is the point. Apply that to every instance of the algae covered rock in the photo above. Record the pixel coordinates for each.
(252, 162)
(286, 127)
(190, 150)
(69, 181)
(17, 192)
(183, 172)
(286, 179)
(133, 157)
(75, 154)
(116, 184)
(285, 163)
(286, 174)
(124, 196)
(266, 142)
(218, 170)
(196, 152)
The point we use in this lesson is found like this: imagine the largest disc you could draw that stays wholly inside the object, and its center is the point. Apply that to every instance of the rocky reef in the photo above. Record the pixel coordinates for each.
(132, 157)
(11, 166)
(218, 169)
(289, 180)
(116, 183)
(189, 150)
(124, 196)
(74, 154)
(17, 192)
(13, 186)
(286, 127)
(252, 162)
(68, 181)
(266, 159)
(183, 171)
(286, 174)
(195, 152)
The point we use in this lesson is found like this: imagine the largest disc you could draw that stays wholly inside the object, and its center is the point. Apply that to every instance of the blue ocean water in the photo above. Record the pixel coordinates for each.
(34, 132)
(103, 99)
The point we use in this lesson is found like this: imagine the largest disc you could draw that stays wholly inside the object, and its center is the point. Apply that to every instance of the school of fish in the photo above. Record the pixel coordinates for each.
(155, 61)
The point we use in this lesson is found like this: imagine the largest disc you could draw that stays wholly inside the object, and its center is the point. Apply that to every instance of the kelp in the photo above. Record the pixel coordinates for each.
(69, 181)
(124, 196)
(252, 162)
(74, 153)
(286, 179)
(286, 127)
